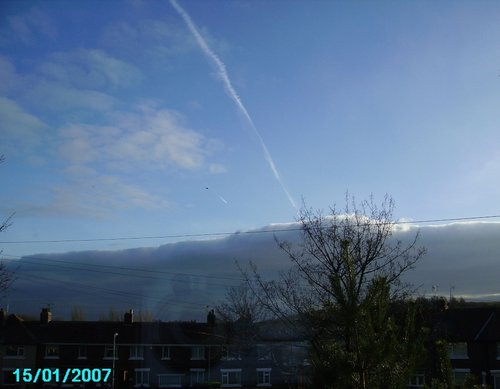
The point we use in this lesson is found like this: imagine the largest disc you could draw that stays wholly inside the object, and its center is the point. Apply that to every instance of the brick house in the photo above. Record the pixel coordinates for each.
(473, 336)
(151, 354)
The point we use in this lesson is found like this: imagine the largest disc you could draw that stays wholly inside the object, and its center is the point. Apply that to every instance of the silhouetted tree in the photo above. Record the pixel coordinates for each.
(240, 303)
(113, 315)
(346, 271)
(441, 374)
(145, 315)
(7, 276)
(77, 313)
(241, 311)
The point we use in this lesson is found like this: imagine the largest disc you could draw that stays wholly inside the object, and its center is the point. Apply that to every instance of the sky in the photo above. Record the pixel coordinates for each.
(174, 118)
(182, 280)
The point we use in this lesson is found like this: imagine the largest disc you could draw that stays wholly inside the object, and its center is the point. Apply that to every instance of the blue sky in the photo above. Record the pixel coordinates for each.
(114, 119)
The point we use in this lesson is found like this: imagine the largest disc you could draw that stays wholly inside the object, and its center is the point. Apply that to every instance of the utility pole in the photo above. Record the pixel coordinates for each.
(114, 356)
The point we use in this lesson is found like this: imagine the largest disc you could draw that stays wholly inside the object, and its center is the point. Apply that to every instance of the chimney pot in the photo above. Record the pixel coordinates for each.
(211, 318)
(128, 318)
(45, 316)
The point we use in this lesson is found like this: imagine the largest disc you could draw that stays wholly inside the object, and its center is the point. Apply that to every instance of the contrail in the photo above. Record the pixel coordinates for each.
(218, 195)
(231, 91)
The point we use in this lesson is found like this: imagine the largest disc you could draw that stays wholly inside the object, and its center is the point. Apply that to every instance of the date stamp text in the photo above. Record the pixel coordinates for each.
(64, 376)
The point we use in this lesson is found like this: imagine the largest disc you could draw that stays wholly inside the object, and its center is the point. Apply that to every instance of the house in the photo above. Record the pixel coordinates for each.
(158, 354)
(18, 347)
(473, 337)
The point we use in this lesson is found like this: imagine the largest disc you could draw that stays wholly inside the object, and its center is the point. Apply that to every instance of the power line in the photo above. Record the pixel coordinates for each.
(127, 275)
(215, 234)
(212, 285)
(26, 259)
(91, 289)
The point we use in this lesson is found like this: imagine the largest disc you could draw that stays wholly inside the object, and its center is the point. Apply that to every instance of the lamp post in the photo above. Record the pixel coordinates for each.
(114, 355)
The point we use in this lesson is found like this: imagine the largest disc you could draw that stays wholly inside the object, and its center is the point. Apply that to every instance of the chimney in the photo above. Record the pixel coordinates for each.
(211, 318)
(45, 315)
(128, 318)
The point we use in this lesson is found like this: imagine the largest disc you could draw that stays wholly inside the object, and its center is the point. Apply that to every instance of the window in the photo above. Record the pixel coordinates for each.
(169, 380)
(459, 376)
(416, 381)
(231, 353)
(52, 351)
(165, 352)
(231, 378)
(295, 354)
(136, 352)
(264, 353)
(197, 352)
(109, 351)
(82, 352)
(458, 350)
(495, 374)
(142, 377)
(498, 350)
(264, 377)
(14, 352)
(197, 376)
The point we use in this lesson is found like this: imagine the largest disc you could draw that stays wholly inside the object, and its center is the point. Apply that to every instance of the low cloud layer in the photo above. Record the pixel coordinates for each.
(180, 280)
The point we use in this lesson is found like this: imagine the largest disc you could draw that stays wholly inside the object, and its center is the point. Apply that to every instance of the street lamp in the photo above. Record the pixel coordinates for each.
(114, 355)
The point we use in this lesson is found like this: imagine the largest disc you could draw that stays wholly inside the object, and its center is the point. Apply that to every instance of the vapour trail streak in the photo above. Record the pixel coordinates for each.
(218, 195)
(232, 92)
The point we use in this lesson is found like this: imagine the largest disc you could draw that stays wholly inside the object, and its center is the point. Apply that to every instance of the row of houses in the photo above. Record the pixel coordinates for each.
(148, 354)
(473, 338)
(130, 354)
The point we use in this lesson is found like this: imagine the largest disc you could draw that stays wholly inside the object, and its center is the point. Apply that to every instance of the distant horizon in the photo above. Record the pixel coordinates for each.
(182, 280)
(29, 316)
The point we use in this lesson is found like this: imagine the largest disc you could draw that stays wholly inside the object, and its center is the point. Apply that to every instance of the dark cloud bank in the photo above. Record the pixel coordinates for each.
(179, 280)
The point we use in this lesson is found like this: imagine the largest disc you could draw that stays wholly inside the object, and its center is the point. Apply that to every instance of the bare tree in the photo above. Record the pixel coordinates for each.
(112, 315)
(7, 276)
(345, 272)
(145, 315)
(240, 304)
(77, 313)
(7, 222)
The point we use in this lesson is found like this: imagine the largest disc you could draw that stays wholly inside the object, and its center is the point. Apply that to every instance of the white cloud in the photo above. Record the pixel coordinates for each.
(90, 69)
(8, 75)
(71, 89)
(180, 145)
(216, 168)
(58, 97)
(79, 170)
(489, 172)
(28, 26)
(149, 138)
(78, 151)
(159, 41)
(113, 193)
(79, 80)
(104, 158)
(17, 125)
(93, 195)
